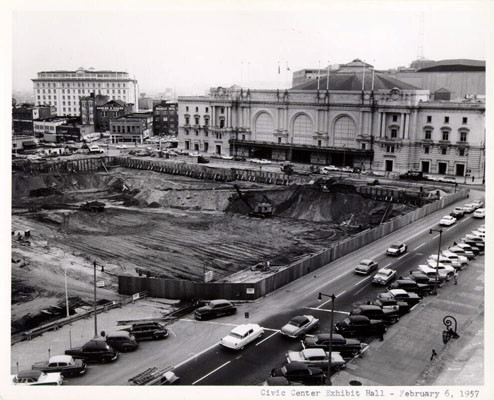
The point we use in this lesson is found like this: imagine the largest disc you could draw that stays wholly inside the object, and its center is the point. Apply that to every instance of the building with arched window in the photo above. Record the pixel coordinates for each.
(351, 117)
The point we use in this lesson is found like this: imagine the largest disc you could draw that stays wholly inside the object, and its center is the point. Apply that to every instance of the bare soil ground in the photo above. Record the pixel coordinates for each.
(170, 225)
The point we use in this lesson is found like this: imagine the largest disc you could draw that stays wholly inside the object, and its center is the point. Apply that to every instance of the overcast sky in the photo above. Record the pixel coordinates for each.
(192, 49)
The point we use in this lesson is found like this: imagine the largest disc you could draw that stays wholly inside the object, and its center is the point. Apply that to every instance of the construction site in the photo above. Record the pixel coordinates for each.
(140, 222)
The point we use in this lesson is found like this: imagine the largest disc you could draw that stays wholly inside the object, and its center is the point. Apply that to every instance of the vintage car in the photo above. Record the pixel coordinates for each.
(215, 309)
(148, 330)
(66, 365)
(299, 326)
(359, 325)
(366, 267)
(316, 358)
(373, 311)
(411, 286)
(346, 346)
(447, 220)
(400, 294)
(301, 373)
(36, 378)
(384, 276)
(396, 249)
(479, 213)
(122, 341)
(96, 350)
(242, 335)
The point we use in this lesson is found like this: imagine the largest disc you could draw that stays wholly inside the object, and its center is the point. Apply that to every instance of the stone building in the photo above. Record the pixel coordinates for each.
(165, 118)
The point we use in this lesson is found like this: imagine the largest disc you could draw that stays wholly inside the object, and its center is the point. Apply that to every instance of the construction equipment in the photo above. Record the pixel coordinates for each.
(263, 209)
(155, 376)
(287, 168)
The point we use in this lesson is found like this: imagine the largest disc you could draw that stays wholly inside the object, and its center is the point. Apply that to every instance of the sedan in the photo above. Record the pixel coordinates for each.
(328, 169)
(36, 377)
(458, 212)
(299, 326)
(442, 275)
(468, 208)
(479, 213)
(316, 358)
(366, 267)
(359, 325)
(255, 160)
(402, 295)
(396, 249)
(66, 365)
(448, 179)
(478, 203)
(346, 346)
(300, 373)
(447, 220)
(241, 336)
(121, 147)
(264, 161)
(225, 157)
(384, 276)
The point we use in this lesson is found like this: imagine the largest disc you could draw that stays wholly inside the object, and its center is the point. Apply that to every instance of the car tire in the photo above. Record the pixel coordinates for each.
(355, 352)
(126, 349)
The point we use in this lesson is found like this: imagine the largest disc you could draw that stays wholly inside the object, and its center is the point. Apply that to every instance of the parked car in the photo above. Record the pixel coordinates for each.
(413, 176)
(148, 330)
(479, 213)
(468, 208)
(264, 161)
(442, 275)
(468, 249)
(384, 276)
(457, 213)
(36, 378)
(476, 246)
(65, 365)
(95, 150)
(400, 294)
(241, 336)
(329, 168)
(346, 346)
(396, 249)
(475, 239)
(255, 160)
(444, 263)
(411, 286)
(299, 326)
(448, 179)
(366, 267)
(390, 303)
(215, 309)
(462, 252)
(279, 381)
(299, 372)
(373, 311)
(316, 358)
(121, 146)
(359, 325)
(225, 157)
(122, 341)
(457, 259)
(347, 169)
(478, 204)
(480, 234)
(447, 220)
(422, 278)
(96, 350)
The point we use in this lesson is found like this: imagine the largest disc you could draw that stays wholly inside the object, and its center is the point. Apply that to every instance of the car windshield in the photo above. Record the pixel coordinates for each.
(235, 335)
(394, 246)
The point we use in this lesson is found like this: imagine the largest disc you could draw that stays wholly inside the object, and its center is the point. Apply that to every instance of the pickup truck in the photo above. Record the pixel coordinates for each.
(94, 351)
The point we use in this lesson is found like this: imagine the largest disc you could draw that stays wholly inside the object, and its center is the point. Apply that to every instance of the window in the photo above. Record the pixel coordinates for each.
(187, 108)
(207, 109)
(444, 151)
(196, 120)
(243, 137)
(428, 134)
(319, 142)
(196, 132)
(465, 120)
(222, 123)
(390, 149)
(222, 110)
(446, 120)
(363, 146)
(463, 136)
(187, 120)
(426, 149)
(395, 117)
(461, 152)
(197, 109)
(445, 135)
(429, 118)
(394, 133)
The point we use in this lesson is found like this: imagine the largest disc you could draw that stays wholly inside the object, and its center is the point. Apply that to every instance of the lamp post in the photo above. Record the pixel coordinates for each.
(66, 292)
(95, 318)
(332, 297)
(440, 231)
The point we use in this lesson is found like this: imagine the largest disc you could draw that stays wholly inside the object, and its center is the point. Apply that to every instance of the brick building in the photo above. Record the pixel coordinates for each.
(135, 128)
(24, 115)
(165, 118)
(88, 106)
(110, 110)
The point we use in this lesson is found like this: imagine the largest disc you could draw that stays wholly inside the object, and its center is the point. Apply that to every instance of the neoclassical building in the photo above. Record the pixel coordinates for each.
(353, 118)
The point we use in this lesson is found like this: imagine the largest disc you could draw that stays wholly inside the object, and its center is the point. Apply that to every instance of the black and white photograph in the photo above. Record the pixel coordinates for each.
(224, 196)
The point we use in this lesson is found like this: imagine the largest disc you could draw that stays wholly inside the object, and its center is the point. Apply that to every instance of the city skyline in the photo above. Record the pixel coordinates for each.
(219, 47)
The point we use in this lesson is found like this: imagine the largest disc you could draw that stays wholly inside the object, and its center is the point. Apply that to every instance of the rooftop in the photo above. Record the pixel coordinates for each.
(458, 65)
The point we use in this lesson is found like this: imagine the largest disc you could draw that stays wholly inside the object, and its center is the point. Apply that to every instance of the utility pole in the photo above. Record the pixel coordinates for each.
(440, 231)
(332, 297)
(95, 318)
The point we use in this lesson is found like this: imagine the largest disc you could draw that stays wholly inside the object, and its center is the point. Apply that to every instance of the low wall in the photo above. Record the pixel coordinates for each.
(180, 289)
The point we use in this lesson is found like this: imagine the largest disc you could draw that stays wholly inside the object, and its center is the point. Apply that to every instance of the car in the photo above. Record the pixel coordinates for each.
(411, 286)
(279, 381)
(457, 259)
(147, 330)
(96, 350)
(264, 161)
(373, 311)
(301, 373)
(478, 204)
(468, 249)
(215, 309)
(479, 213)
(95, 150)
(347, 169)
(329, 168)
(299, 326)
(442, 275)
(66, 365)
(422, 278)
(476, 246)
(443, 261)
(359, 325)
(447, 220)
(316, 358)
(255, 160)
(400, 294)
(366, 267)
(473, 238)
(468, 208)
(121, 146)
(413, 176)
(122, 341)
(462, 252)
(384, 276)
(448, 179)
(480, 234)
(396, 249)
(390, 303)
(225, 157)
(346, 346)
(37, 378)
(215, 155)
(241, 336)
(458, 212)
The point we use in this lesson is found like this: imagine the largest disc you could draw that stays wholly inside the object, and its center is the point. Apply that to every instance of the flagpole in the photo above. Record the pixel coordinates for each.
(318, 73)
(327, 79)
(373, 71)
(363, 78)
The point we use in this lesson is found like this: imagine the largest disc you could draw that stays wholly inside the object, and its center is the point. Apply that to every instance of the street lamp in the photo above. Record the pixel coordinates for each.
(438, 255)
(66, 292)
(95, 319)
(332, 297)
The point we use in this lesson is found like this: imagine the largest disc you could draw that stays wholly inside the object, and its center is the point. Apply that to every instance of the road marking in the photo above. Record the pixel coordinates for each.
(173, 333)
(212, 372)
(435, 237)
(196, 355)
(386, 266)
(419, 246)
(263, 340)
(358, 291)
(207, 322)
(358, 283)
(415, 306)
(339, 294)
(332, 280)
(365, 349)
(324, 309)
(404, 255)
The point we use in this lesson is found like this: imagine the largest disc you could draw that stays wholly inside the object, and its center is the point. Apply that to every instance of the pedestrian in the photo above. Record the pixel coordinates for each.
(473, 179)
(434, 354)
(381, 334)
(455, 276)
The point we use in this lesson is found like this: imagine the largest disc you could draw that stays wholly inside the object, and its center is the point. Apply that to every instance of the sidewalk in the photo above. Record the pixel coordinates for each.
(403, 358)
